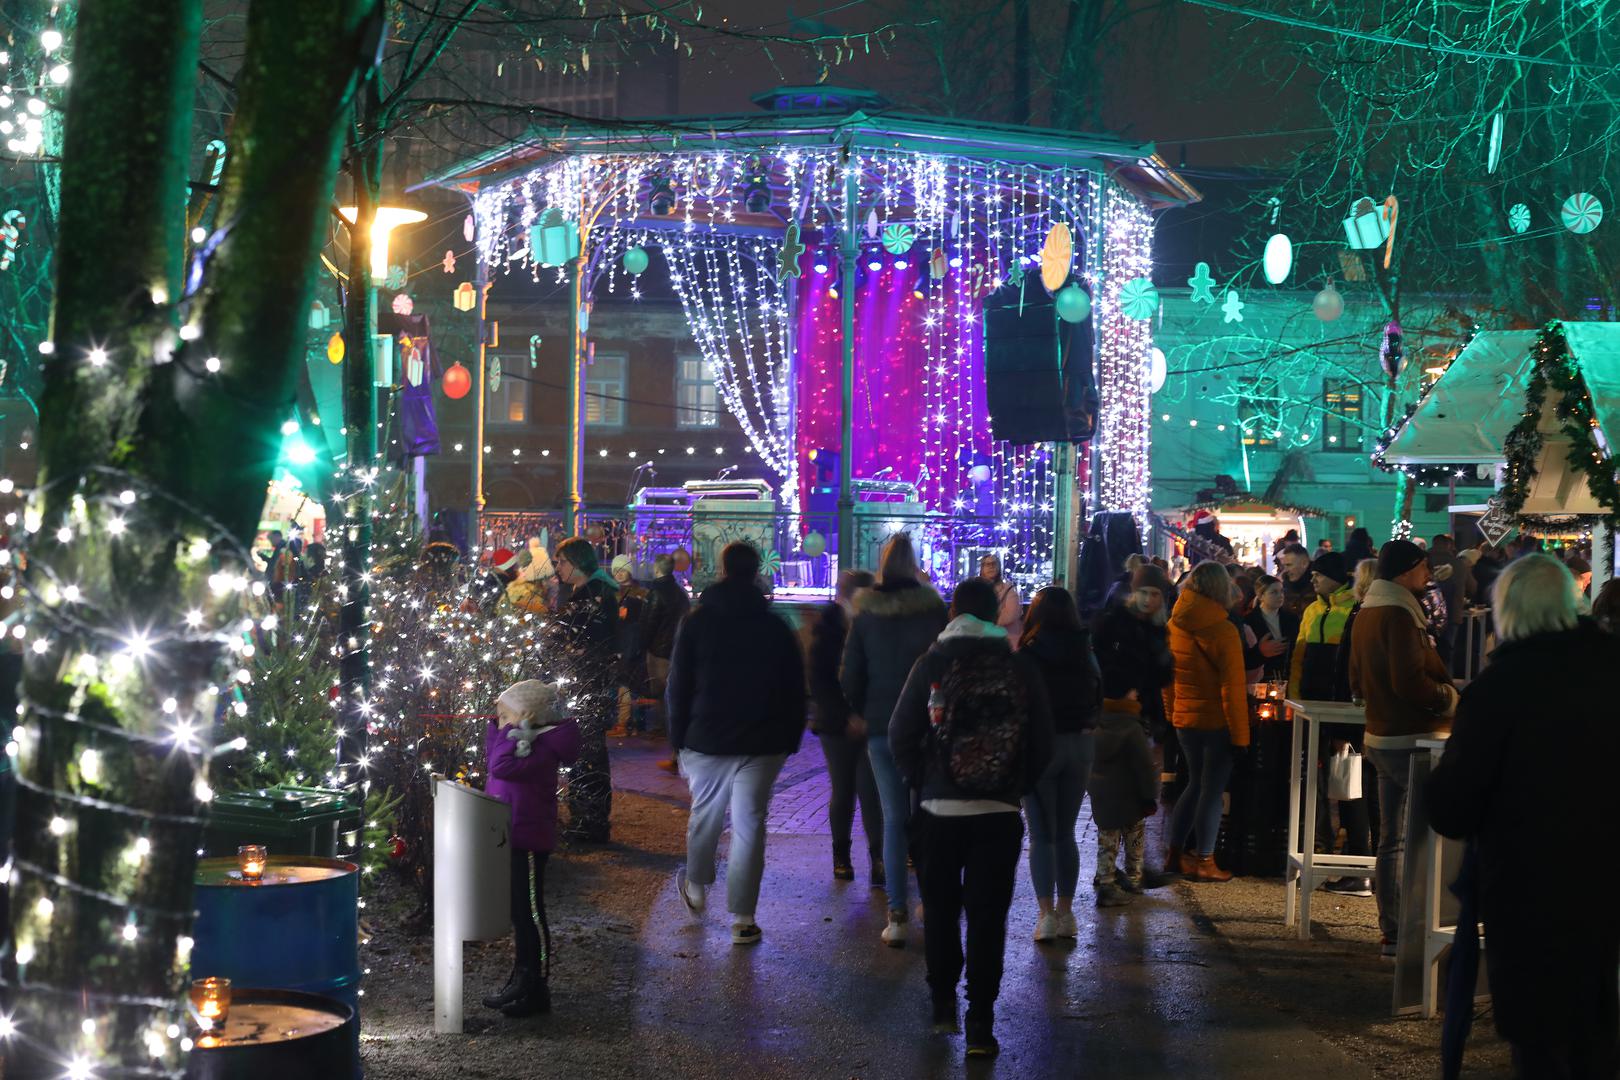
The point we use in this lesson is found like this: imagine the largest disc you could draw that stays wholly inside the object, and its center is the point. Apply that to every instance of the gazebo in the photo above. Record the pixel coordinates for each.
(833, 259)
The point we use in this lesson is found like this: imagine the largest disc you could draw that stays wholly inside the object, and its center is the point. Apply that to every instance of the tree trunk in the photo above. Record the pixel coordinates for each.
(155, 457)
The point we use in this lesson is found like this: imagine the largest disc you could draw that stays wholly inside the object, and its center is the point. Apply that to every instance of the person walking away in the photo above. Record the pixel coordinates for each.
(586, 635)
(736, 711)
(529, 738)
(1275, 627)
(1209, 706)
(1407, 689)
(1009, 609)
(972, 732)
(1060, 647)
(1124, 790)
(661, 613)
(632, 662)
(843, 734)
(895, 622)
(1298, 592)
(1505, 784)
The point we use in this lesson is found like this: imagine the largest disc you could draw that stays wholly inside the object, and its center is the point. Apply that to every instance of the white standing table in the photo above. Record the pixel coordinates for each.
(1305, 867)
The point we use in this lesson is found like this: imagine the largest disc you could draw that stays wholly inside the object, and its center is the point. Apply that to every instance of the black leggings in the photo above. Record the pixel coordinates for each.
(528, 909)
(850, 770)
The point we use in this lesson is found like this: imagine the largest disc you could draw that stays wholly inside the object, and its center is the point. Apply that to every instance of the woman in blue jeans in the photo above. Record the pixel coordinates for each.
(1060, 647)
(895, 622)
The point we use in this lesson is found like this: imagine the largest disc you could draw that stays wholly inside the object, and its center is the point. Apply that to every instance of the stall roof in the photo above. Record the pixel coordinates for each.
(1477, 401)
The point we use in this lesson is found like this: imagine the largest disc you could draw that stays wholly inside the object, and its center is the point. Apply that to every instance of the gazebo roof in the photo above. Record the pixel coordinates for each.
(1465, 417)
(812, 117)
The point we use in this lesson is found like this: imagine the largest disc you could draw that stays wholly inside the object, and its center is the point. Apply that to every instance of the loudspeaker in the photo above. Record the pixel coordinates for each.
(1037, 369)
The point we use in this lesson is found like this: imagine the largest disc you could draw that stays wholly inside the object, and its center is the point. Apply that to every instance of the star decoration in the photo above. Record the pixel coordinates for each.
(1233, 308)
(1203, 286)
(791, 250)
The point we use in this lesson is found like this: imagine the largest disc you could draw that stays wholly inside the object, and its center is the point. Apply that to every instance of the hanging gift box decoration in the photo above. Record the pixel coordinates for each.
(1366, 228)
(319, 317)
(936, 264)
(552, 240)
(410, 351)
(465, 297)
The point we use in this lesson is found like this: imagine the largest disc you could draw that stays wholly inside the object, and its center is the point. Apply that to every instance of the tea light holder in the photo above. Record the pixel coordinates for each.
(211, 1002)
(252, 858)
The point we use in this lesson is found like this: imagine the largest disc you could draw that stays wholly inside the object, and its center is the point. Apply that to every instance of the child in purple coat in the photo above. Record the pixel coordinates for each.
(528, 740)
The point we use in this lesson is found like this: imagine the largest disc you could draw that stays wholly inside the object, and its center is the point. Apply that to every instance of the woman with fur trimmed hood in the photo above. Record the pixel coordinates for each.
(895, 622)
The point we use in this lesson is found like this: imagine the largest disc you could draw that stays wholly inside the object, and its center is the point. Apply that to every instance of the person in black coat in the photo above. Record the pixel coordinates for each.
(1132, 640)
(585, 636)
(736, 711)
(665, 605)
(1275, 627)
(1510, 783)
(843, 734)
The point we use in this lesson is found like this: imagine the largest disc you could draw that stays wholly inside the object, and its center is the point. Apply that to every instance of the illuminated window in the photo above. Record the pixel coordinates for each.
(697, 400)
(508, 401)
(604, 391)
(1341, 416)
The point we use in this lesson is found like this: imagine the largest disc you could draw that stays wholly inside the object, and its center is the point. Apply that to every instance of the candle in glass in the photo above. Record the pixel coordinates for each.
(211, 1001)
(251, 858)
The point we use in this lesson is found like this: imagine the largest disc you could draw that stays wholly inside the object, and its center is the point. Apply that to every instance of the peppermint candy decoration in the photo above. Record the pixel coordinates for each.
(897, 239)
(1139, 299)
(1581, 213)
(1519, 217)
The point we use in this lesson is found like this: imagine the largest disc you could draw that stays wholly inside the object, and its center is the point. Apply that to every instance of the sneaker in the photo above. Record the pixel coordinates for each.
(694, 896)
(1351, 886)
(981, 1039)
(745, 934)
(1067, 927)
(1109, 896)
(1046, 927)
(894, 934)
(944, 1018)
(1386, 949)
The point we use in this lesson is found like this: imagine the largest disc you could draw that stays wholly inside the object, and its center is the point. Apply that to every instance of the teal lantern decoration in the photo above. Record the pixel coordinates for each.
(897, 239)
(1073, 303)
(1138, 299)
(635, 260)
(553, 241)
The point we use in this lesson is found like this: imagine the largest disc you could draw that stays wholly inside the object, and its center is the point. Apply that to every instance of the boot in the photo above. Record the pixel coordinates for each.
(508, 993)
(1204, 869)
(535, 998)
(1181, 862)
(879, 880)
(843, 870)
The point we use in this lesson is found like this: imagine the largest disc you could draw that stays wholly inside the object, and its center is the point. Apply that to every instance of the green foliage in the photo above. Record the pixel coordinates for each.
(376, 838)
(290, 723)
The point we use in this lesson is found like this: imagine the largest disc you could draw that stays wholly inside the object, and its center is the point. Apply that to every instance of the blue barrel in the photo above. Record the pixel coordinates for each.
(298, 928)
(279, 1035)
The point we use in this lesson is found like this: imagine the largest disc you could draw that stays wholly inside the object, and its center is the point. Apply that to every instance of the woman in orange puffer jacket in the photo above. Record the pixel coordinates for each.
(1208, 703)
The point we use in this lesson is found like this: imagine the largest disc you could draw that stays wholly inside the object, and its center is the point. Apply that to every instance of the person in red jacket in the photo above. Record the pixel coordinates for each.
(525, 744)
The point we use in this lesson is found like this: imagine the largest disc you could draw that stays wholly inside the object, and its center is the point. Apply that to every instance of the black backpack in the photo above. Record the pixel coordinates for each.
(980, 735)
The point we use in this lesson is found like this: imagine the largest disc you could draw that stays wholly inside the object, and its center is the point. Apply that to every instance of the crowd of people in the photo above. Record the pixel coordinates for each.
(953, 726)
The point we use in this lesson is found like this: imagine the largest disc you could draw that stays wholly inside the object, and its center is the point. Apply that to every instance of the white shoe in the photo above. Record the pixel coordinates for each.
(894, 935)
(1066, 926)
(1046, 927)
(695, 897)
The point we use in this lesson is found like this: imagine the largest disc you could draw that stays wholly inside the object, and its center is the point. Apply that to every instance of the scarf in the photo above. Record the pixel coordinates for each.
(1388, 594)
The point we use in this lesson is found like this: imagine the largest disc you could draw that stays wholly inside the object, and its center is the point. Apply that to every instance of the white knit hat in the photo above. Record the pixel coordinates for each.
(624, 564)
(537, 704)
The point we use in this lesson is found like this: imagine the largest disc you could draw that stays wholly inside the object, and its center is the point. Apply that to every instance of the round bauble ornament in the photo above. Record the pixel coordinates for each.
(1329, 303)
(1073, 303)
(979, 474)
(635, 260)
(457, 381)
(814, 544)
(396, 847)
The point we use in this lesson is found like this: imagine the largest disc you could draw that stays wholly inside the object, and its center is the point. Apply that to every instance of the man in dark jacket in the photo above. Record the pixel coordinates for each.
(843, 734)
(736, 711)
(586, 636)
(966, 693)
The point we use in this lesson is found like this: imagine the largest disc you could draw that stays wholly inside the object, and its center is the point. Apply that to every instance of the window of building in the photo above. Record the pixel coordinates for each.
(1259, 412)
(1341, 416)
(604, 391)
(508, 402)
(697, 399)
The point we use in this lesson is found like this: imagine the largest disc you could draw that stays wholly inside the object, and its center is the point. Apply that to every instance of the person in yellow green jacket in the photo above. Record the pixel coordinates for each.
(1321, 628)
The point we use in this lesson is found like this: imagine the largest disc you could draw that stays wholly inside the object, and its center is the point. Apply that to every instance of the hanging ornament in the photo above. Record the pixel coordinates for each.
(319, 317)
(396, 847)
(1233, 307)
(788, 260)
(983, 279)
(1392, 209)
(1493, 147)
(979, 474)
(534, 351)
(1138, 299)
(11, 227)
(334, 348)
(1329, 303)
(1519, 217)
(1073, 303)
(1351, 264)
(1015, 276)
(410, 351)
(1366, 228)
(635, 261)
(1278, 259)
(584, 320)
(465, 298)
(872, 224)
(495, 375)
(403, 304)
(937, 264)
(1057, 255)
(770, 563)
(956, 223)
(396, 279)
(449, 263)
(1158, 370)
(1202, 285)
(1581, 213)
(468, 228)
(898, 238)
(1390, 353)
(814, 544)
(553, 240)
(457, 381)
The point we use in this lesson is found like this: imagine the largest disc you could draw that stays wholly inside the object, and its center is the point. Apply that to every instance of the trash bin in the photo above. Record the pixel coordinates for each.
(289, 820)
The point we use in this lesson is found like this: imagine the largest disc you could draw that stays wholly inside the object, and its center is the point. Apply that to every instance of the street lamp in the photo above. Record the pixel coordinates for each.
(388, 219)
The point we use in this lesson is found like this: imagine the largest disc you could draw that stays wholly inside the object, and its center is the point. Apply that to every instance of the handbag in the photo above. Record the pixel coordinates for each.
(1344, 775)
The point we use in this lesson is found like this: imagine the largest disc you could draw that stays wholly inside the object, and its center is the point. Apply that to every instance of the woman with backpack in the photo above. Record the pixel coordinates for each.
(895, 623)
(1060, 647)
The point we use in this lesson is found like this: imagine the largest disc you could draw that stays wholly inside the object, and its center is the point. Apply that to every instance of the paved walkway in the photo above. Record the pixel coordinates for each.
(1144, 992)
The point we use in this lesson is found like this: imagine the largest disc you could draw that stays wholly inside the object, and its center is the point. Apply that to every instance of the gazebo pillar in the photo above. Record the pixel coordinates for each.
(850, 250)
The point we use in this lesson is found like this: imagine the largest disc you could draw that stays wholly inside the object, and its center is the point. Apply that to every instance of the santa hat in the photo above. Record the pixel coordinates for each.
(503, 559)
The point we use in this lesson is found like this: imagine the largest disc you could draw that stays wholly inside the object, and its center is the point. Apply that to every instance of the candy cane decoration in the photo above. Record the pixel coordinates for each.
(215, 152)
(11, 227)
(1392, 208)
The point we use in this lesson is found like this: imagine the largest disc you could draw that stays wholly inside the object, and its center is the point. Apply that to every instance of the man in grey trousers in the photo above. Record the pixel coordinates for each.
(736, 703)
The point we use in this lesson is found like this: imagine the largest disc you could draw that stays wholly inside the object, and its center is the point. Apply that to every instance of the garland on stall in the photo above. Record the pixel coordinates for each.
(1240, 498)
(1556, 368)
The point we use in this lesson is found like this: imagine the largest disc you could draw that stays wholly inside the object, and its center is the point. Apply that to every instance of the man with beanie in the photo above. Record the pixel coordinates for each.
(585, 634)
(1408, 694)
(1321, 628)
(736, 706)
